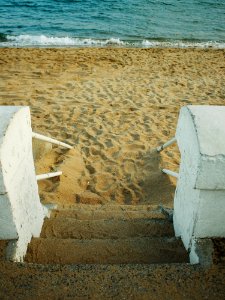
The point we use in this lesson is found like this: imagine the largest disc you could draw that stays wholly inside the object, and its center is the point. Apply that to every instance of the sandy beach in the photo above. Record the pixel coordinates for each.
(115, 106)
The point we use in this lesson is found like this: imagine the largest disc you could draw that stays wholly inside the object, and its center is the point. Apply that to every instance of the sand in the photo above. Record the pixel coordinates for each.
(115, 106)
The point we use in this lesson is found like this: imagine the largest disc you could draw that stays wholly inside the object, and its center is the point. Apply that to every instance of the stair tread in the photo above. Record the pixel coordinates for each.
(73, 228)
(110, 207)
(84, 213)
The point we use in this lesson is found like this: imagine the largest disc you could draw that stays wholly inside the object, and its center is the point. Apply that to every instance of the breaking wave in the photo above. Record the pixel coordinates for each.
(50, 41)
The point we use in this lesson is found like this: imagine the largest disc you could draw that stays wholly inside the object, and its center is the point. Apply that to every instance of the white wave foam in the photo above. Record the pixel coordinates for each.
(28, 40)
(44, 41)
(182, 44)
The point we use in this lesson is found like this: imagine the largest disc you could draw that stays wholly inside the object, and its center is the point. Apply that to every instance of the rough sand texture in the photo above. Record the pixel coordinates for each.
(137, 282)
(115, 106)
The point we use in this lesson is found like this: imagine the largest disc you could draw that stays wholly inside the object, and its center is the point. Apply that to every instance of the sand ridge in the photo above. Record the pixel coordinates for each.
(115, 106)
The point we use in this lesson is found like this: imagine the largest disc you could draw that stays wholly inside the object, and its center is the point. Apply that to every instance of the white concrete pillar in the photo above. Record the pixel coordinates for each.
(199, 204)
(21, 213)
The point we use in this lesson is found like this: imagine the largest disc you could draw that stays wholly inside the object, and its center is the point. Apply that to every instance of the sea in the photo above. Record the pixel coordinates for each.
(112, 23)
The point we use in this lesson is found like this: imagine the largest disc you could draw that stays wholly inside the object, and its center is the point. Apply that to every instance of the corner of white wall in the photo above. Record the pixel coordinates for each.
(21, 213)
(199, 203)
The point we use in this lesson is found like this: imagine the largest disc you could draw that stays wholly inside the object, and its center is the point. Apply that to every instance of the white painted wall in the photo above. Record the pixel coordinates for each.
(199, 204)
(21, 213)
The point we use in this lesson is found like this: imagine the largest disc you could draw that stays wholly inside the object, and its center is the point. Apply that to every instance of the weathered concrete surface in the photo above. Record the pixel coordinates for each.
(199, 204)
(202, 251)
(209, 122)
(111, 228)
(21, 213)
(113, 212)
(119, 237)
(137, 281)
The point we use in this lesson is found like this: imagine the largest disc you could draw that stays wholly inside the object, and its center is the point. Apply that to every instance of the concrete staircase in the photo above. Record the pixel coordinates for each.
(107, 234)
(109, 252)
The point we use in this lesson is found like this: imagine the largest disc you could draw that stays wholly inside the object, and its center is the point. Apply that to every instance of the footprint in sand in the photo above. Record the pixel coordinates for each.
(129, 167)
(104, 182)
(95, 150)
(134, 147)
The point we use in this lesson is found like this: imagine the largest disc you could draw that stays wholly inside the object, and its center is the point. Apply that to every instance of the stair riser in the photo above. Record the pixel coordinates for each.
(103, 214)
(108, 207)
(136, 250)
(77, 229)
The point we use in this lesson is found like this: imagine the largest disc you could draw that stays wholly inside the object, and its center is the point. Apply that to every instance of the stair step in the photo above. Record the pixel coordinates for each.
(110, 207)
(99, 229)
(99, 251)
(100, 212)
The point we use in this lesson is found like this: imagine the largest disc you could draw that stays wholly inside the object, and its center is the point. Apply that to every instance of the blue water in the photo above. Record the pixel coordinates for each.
(137, 23)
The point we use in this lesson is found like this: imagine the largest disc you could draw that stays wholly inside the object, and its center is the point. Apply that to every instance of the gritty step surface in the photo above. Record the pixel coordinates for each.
(110, 207)
(117, 251)
(100, 229)
(137, 281)
(98, 212)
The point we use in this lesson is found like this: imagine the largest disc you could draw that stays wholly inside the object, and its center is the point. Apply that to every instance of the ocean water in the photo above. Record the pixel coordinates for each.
(123, 23)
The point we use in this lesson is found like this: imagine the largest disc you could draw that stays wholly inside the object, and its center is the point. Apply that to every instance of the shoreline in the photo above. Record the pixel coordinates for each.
(48, 41)
(113, 47)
